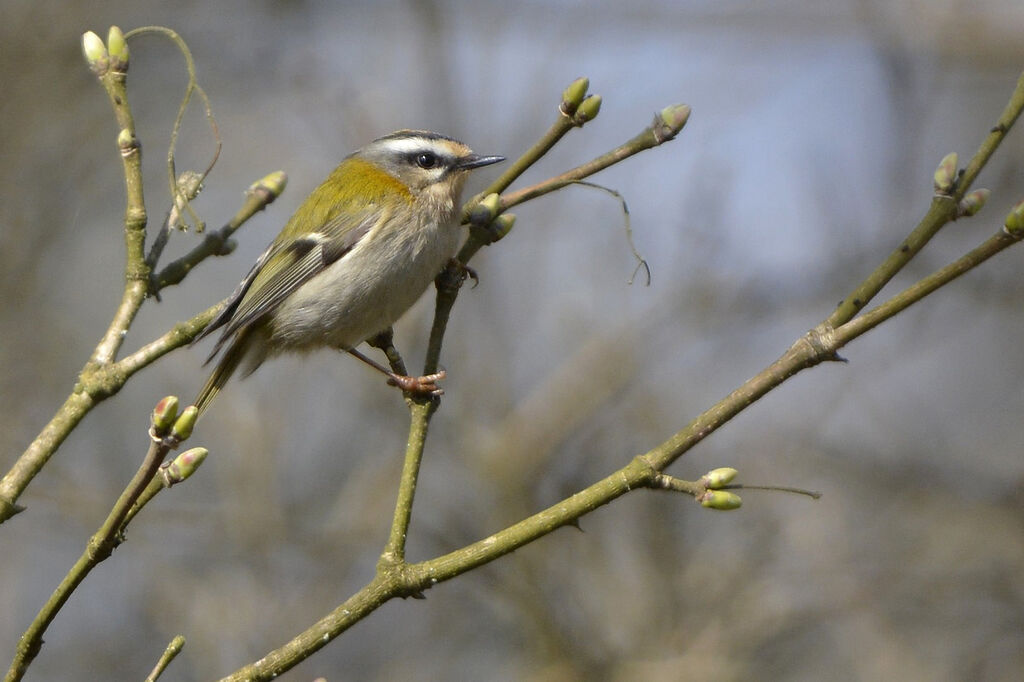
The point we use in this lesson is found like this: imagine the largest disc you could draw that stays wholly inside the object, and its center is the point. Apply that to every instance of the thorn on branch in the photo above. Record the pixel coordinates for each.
(575, 523)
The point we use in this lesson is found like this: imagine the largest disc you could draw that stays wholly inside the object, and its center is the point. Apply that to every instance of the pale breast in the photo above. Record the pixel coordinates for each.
(367, 290)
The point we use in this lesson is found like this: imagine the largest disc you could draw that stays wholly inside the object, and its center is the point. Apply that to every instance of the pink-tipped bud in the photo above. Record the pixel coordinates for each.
(164, 414)
(974, 202)
(671, 120)
(183, 466)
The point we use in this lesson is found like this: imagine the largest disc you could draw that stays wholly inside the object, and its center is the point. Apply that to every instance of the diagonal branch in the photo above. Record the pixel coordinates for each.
(395, 578)
(942, 210)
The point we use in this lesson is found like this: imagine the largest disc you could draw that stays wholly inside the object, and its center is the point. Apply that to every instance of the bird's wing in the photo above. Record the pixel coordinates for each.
(235, 298)
(286, 266)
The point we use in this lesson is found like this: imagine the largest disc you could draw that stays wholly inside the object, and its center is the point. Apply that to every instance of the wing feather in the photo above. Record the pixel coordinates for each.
(282, 269)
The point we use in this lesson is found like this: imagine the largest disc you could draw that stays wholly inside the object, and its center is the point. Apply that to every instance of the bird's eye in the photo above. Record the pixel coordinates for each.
(426, 160)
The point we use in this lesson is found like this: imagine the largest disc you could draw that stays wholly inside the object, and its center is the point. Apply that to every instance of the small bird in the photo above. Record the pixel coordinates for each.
(358, 252)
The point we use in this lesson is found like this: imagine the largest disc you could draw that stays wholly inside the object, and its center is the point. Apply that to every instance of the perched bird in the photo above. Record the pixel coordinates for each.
(358, 252)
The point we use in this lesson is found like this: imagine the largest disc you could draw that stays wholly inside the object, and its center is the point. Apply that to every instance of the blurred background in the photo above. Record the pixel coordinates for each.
(816, 127)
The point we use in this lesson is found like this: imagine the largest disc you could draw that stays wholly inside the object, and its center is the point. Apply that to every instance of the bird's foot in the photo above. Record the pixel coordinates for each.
(422, 386)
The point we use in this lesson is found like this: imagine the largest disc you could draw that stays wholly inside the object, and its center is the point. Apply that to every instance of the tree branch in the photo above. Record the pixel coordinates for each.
(396, 578)
(168, 431)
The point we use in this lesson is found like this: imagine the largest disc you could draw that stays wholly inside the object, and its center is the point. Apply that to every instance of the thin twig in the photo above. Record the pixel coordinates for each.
(641, 262)
(943, 209)
(177, 194)
(173, 649)
(99, 547)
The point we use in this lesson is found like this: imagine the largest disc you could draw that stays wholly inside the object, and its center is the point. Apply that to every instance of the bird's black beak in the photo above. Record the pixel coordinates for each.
(477, 161)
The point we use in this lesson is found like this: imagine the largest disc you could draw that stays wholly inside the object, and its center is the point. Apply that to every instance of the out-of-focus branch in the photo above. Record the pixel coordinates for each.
(111, 68)
(168, 430)
(943, 209)
(218, 243)
(173, 649)
(180, 196)
(103, 376)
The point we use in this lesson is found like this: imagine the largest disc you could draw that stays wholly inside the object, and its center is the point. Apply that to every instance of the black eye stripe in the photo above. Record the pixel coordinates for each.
(426, 159)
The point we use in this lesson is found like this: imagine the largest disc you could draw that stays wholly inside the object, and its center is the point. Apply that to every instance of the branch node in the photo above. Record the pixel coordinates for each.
(822, 342)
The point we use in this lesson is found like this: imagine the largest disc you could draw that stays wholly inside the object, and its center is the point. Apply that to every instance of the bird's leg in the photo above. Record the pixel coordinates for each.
(397, 375)
(385, 342)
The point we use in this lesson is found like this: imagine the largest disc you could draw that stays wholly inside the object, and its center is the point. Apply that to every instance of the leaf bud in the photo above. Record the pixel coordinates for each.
(573, 95)
(183, 466)
(587, 110)
(1014, 224)
(118, 49)
(185, 423)
(485, 211)
(974, 202)
(272, 186)
(716, 478)
(723, 500)
(95, 53)
(945, 174)
(670, 120)
(164, 414)
(502, 225)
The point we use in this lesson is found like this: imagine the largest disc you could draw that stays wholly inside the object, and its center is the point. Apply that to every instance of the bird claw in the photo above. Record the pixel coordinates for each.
(423, 386)
(463, 272)
(471, 274)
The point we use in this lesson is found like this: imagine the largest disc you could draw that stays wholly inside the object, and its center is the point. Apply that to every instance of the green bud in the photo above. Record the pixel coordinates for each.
(573, 95)
(502, 225)
(272, 185)
(485, 211)
(95, 53)
(587, 110)
(723, 500)
(1014, 223)
(183, 466)
(228, 247)
(118, 49)
(716, 478)
(974, 202)
(127, 142)
(185, 423)
(669, 121)
(164, 414)
(945, 174)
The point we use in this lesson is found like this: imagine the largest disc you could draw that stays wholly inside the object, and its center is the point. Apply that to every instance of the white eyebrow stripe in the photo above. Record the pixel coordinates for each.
(407, 145)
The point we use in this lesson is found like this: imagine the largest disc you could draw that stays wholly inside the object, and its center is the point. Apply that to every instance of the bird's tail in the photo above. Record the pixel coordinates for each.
(226, 366)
